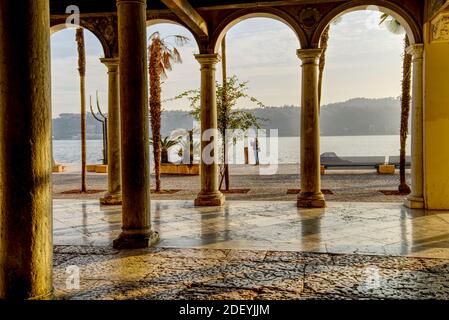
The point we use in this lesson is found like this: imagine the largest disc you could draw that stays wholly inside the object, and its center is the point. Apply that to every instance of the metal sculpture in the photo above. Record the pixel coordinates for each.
(104, 124)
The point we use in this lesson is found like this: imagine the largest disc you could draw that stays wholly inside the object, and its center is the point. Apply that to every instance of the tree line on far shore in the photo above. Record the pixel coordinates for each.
(353, 117)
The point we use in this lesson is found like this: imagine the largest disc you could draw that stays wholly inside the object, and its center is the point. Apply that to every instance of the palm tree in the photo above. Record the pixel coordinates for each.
(82, 72)
(394, 26)
(166, 144)
(324, 42)
(225, 170)
(323, 45)
(163, 54)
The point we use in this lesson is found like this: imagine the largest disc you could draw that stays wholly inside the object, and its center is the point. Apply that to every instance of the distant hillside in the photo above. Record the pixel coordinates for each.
(67, 127)
(354, 117)
(361, 117)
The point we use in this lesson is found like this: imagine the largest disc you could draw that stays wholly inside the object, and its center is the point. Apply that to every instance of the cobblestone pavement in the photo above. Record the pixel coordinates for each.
(356, 186)
(162, 273)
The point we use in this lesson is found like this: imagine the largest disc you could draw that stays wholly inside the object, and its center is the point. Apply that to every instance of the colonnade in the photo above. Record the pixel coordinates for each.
(25, 139)
(114, 194)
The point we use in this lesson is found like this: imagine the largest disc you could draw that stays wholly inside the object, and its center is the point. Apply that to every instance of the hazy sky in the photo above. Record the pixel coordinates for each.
(363, 60)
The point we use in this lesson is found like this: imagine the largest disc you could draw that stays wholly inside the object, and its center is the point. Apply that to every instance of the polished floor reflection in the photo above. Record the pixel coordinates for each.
(360, 228)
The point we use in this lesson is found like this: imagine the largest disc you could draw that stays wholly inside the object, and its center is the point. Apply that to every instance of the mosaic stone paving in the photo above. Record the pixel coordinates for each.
(363, 228)
(160, 273)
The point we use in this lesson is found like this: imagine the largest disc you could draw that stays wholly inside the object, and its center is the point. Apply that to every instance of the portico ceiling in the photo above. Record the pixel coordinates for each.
(103, 6)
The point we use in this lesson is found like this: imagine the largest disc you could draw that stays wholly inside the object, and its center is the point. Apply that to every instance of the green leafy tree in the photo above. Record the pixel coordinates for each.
(229, 117)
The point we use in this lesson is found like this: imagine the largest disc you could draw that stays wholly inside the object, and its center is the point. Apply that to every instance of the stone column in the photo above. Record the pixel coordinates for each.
(134, 121)
(114, 194)
(310, 195)
(209, 194)
(25, 158)
(416, 199)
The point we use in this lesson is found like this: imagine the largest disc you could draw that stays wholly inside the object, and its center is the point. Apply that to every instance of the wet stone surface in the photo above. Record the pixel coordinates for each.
(163, 273)
(341, 227)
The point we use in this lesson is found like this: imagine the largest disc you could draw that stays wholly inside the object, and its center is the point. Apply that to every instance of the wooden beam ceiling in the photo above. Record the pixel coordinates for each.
(188, 15)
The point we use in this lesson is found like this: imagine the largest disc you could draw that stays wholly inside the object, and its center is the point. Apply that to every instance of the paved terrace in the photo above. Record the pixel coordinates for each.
(256, 250)
(353, 185)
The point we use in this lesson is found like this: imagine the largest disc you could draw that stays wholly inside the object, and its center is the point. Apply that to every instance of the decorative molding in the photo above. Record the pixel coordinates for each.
(309, 18)
(161, 14)
(433, 6)
(440, 28)
(106, 26)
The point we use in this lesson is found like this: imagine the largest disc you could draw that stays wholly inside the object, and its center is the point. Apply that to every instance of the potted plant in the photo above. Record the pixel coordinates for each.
(166, 143)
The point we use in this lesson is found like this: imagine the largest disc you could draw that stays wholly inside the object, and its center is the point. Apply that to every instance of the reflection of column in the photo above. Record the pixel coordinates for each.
(134, 123)
(310, 195)
(416, 198)
(209, 195)
(25, 161)
(311, 232)
(114, 195)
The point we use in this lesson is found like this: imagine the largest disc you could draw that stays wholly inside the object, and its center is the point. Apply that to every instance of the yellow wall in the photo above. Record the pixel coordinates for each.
(436, 125)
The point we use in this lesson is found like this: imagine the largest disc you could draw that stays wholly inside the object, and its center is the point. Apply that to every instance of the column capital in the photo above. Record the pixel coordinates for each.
(207, 59)
(309, 56)
(141, 2)
(110, 63)
(416, 51)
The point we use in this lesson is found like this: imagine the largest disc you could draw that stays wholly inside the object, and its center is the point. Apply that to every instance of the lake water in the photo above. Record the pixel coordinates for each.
(281, 150)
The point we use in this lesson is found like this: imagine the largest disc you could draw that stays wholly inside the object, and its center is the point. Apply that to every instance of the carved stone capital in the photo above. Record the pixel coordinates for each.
(416, 51)
(207, 59)
(309, 56)
(440, 28)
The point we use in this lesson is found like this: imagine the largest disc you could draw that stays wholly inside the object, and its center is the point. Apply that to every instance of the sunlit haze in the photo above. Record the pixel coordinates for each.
(363, 60)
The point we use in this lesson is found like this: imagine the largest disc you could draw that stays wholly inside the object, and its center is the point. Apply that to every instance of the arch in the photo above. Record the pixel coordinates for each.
(409, 23)
(62, 26)
(153, 22)
(244, 14)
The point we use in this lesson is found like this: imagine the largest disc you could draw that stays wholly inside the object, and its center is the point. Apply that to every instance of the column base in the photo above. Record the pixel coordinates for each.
(111, 200)
(311, 200)
(47, 296)
(135, 241)
(414, 202)
(216, 199)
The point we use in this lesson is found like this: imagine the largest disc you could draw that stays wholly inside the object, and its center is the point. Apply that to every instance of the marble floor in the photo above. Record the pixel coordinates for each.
(347, 228)
(254, 250)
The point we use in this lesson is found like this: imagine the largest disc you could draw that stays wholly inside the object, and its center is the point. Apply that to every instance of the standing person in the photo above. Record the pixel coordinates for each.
(255, 145)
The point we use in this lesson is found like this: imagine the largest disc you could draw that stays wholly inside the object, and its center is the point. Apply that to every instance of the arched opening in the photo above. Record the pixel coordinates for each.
(410, 25)
(66, 102)
(261, 64)
(243, 15)
(361, 100)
